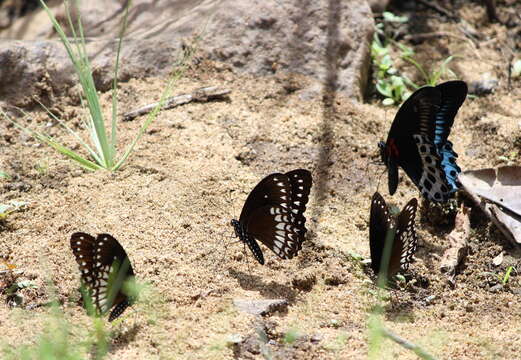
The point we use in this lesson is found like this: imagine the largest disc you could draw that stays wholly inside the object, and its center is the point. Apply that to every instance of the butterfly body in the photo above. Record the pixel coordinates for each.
(383, 227)
(104, 267)
(418, 141)
(273, 214)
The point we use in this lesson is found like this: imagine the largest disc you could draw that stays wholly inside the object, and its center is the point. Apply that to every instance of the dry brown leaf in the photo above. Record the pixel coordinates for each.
(498, 193)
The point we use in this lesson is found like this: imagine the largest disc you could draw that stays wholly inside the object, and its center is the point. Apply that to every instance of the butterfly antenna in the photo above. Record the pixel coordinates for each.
(226, 244)
(369, 162)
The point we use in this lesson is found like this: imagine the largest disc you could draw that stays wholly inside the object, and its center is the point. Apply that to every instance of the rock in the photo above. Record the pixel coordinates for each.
(315, 339)
(335, 323)
(485, 85)
(261, 307)
(234, 339)
(496, 288)
(259, 37)
(246, 156)
(18, 186)
(429, 299)
(516, 291)
(335, 279)
(304, 281)
(250, 345)
(498, 260)
(330, 43)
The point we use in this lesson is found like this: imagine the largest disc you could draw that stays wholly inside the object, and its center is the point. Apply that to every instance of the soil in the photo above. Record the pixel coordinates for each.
(171, 204)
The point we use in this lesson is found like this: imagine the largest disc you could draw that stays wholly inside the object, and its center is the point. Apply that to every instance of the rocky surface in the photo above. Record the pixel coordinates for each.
(261, 307)
(328, 40)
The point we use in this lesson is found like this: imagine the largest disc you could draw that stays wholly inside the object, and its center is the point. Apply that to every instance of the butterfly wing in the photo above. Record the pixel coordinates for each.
(274, 213)
(270, 190)
(99, 259)
(453, 94)
(273, 226)
(380, 222)
(392, 175)
(405, 240)
(415, 116)
(418, 142)
(301, 182)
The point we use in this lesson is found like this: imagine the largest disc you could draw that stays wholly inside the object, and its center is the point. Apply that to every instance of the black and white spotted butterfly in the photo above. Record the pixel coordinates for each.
(401, 231)
(104, 267)
(274, 214)
(418, 141)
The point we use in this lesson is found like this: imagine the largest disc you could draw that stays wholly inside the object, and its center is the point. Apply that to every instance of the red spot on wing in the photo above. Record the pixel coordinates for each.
(392, 149)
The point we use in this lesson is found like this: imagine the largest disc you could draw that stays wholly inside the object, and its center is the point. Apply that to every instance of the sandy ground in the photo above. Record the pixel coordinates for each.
(171, 204)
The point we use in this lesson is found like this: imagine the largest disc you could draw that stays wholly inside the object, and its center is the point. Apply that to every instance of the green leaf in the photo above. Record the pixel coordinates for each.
(507, 275)
(383, 88)
(386, 61)
(388, 101)
(390, 17)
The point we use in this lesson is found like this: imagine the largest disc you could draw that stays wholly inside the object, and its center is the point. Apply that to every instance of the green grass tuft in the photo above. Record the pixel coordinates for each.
(103, 143)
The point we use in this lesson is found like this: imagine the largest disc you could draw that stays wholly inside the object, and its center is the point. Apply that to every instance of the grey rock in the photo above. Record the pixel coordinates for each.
(261, 307)
(330, 43)
(429, 299)
(315, 339)
(234, 339)
(485, 85)
(496, 288)
(327, 42)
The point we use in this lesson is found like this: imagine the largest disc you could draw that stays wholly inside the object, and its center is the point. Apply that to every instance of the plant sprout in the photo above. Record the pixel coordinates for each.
(102, 144)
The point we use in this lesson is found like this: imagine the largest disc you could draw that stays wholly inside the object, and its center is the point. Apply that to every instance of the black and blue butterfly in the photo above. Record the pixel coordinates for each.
(104, 267)
(383, 227)
(418, 141)
(273, 214)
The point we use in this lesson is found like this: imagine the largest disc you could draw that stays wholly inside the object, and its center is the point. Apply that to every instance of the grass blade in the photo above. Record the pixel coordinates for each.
(84, 163)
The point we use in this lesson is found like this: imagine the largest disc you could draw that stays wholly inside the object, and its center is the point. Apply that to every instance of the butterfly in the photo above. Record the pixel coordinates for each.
(273, 214)
(104, 267)
(417, 141)
(382, 227)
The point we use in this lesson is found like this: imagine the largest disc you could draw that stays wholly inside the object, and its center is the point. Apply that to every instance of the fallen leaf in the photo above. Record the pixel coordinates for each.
(498, 260)
(498, 193)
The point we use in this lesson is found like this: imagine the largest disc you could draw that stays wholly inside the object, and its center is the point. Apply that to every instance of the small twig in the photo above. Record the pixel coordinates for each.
(458, 240)
(491, 11)
(199, 95)
(406, 344)
(509, 70)
(426, 36)
(439, 9)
